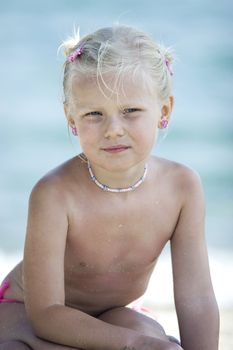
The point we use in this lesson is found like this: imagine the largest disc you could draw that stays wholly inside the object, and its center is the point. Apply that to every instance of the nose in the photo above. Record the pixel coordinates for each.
(114, 127)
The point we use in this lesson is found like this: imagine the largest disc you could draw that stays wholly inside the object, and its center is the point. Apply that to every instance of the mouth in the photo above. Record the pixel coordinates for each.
(116, 149)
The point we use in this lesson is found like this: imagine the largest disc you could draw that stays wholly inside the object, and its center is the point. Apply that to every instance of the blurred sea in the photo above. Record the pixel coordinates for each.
(33, 132)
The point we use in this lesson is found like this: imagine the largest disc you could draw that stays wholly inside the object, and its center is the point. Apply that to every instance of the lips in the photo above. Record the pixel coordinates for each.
(116, 148)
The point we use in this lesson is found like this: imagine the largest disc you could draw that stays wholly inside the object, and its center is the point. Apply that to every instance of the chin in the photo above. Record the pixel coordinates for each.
(122, 165)
(117, 167)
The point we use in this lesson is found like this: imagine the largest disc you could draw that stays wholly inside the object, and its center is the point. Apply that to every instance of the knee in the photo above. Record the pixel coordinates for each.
(125, 317)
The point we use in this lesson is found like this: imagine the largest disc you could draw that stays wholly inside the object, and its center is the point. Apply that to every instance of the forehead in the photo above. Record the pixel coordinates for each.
(137, 88)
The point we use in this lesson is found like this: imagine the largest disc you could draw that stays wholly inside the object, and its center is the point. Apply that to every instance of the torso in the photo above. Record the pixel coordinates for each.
(114, 240)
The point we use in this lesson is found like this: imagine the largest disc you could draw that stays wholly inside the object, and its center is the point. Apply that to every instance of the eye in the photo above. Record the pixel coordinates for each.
(93, 114)
(131, 110)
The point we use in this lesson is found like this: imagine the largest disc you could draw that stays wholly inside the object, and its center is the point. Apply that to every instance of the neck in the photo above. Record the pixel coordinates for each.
(118, 181)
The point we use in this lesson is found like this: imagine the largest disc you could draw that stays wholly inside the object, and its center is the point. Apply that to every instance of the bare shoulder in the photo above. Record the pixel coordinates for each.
(57, 183)
(183, 187)
(183, 179)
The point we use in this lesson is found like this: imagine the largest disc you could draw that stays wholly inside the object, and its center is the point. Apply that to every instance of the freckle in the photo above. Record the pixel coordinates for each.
(83, 264)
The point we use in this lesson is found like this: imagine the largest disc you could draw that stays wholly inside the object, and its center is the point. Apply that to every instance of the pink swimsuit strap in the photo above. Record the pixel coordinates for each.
(5, 285)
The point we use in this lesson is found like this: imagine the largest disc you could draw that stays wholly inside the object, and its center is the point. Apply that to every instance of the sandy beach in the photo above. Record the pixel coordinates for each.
(226, 334)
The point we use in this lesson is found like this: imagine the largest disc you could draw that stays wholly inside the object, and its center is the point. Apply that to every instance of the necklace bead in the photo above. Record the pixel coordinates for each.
(116, 190)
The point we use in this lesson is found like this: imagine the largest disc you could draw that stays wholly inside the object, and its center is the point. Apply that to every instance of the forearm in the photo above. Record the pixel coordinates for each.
(67, 326)
(199, 325)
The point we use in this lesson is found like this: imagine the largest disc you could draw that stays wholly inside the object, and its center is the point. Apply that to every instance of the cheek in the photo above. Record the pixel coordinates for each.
(146, 132)
(144, 140)
(86, 129)
(88, 136)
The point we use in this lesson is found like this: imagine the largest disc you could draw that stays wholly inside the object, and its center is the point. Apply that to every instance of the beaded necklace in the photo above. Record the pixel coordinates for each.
(116, 190)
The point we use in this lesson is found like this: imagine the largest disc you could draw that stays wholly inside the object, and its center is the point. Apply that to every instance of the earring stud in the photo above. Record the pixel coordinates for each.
(74, 130)
(164, 123)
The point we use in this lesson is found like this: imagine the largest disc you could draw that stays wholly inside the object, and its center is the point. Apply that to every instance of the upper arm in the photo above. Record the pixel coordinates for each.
(45, 248)
(191, 273)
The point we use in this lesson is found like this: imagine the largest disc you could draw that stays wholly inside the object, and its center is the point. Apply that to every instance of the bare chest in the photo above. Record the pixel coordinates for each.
(112, 247)
(105, 239)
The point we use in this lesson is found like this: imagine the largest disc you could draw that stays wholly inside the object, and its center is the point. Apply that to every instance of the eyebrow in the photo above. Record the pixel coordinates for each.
(89, 106)
(96, 107)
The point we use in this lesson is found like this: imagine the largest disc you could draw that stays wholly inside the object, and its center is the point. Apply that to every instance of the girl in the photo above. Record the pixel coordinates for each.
(98, 223)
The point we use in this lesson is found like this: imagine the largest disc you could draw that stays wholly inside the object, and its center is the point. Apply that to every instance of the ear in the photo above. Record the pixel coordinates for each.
(68, 115)
(168, 107)
(166, 110)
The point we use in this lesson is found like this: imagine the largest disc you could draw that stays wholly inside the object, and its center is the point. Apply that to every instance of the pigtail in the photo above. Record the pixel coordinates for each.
(167, 56)
(70, 44)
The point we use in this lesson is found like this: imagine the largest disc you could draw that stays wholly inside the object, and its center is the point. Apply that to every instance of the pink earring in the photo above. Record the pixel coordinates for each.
(164, 123)
(74, 130)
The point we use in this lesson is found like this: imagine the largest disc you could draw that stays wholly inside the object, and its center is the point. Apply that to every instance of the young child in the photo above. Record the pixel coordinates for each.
(98, 223)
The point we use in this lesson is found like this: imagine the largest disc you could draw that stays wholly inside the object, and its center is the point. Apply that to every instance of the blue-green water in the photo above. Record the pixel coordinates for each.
(33, 133)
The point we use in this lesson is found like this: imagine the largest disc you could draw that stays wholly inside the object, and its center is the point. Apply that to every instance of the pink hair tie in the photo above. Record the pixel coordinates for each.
(169, 66)
(76, 53)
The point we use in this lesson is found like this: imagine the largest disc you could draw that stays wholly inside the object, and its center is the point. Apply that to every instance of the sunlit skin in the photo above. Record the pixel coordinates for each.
(89, 253)
(105, 119)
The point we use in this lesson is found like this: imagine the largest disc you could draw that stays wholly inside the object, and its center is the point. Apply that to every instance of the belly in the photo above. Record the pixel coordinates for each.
(95, 293)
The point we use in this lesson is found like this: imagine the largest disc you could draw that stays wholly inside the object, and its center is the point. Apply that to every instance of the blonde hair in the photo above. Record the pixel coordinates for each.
(120, 49)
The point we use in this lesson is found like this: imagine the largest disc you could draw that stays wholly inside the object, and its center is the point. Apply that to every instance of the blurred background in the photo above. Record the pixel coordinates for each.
(33, 131)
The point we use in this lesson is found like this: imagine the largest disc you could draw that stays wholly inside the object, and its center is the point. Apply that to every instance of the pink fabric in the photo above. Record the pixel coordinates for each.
(5, 285)
(137, 305)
